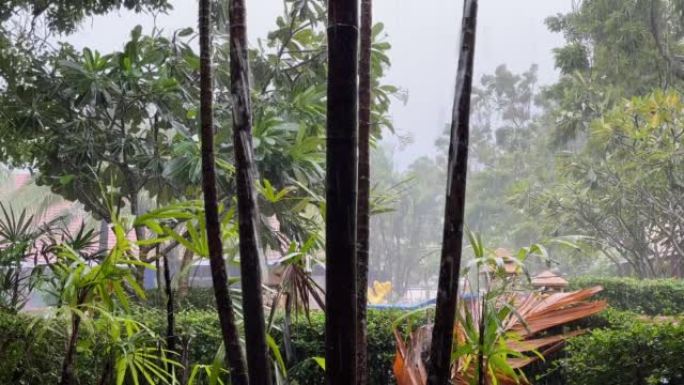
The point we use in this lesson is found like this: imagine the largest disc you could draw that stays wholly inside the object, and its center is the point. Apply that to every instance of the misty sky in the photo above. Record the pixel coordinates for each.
(424, 36)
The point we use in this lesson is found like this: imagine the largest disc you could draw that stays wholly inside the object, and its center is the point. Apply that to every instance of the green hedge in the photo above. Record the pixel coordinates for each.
(33, 355)
(308, 341)
(624, 349)
(196, 298)
(638, 353)
(31, 351)
(33, 358)
(648, 296)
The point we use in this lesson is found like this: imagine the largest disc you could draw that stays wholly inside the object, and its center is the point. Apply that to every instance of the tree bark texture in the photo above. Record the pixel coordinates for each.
(224, 305)
(341, 184)
(363, 228)
(450, 264)
(170, 310)
(248, 212)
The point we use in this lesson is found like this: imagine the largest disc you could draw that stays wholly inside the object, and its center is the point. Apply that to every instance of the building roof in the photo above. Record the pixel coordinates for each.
(70, 214)
(549, 279)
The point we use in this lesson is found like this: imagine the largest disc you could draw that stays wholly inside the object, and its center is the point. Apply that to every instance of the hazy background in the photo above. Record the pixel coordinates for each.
(424, 36)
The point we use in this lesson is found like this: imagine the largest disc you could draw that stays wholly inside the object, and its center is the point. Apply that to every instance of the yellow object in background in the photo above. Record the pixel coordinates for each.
(379, 292)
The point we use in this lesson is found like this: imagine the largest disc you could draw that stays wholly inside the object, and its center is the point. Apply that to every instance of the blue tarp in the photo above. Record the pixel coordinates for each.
(408, 307)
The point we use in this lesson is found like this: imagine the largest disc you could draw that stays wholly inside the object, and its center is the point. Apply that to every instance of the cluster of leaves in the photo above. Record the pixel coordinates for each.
(64, 16)
(636, 353)
(37, 362)
(129, 119)
(568, 158)
(645, 296)
(624, 187)
(406, 237)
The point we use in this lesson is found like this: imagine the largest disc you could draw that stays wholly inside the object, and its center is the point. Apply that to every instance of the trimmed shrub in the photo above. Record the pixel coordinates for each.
(33, 358)
(308, 341)
(31, 352)
(625, 348)
(647, 296)
(196, 298)
(638, 353)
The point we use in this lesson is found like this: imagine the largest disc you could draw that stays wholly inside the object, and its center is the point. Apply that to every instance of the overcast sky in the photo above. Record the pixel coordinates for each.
(424, 36)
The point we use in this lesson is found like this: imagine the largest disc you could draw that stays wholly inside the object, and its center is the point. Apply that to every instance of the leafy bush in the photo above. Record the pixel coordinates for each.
(31, 352)
(308, 340)
(624, 349)
(648, 296)
(196, 298)
(34, 358)
(637, 353)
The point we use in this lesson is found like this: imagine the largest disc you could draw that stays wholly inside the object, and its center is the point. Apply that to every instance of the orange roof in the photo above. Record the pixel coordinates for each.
(548, 279)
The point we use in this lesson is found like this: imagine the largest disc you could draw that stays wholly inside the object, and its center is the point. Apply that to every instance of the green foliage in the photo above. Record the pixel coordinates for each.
(33, 355)
(623, 188)
(197, 298)
(507, 159)
(18, 238)
(308, 341)
(65, 15)
(129, 118)
(628, 44)
(38, 355)
(406, 239)
(646, 296)
(638, 353)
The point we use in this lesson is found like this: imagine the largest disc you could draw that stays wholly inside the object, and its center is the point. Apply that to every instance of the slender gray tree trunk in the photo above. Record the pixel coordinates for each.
(363, 229)
(248, 213)
(184, 277)
(452, 240)
(224, 305)
(104, 235)
(341, 189)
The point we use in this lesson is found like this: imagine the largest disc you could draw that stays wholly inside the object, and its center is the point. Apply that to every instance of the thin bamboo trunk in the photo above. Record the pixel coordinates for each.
(341, 184)
(248, 212)
(450, 265)
(170, 311)
(104, 236)
(363, 228)
(67, 376)
(107, 371)
(224, 305)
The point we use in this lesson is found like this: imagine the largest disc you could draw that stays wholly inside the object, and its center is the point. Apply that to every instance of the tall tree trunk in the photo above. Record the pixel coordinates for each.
(248, 212)
(184, 277)
(363, 229)
(170, 311)
(108, 371)
(139, 236)
(104, 236)
(67, 375)
(224, 305)
(287, 327)
(450, 265)
(341, 183)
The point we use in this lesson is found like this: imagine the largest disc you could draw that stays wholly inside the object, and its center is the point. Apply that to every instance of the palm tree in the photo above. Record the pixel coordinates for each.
(224, 304)
(248, 213)
(363, 205)
(452, 238)
(341, 172)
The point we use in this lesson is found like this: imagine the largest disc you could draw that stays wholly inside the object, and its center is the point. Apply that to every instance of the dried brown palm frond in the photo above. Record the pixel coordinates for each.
(526, 335)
